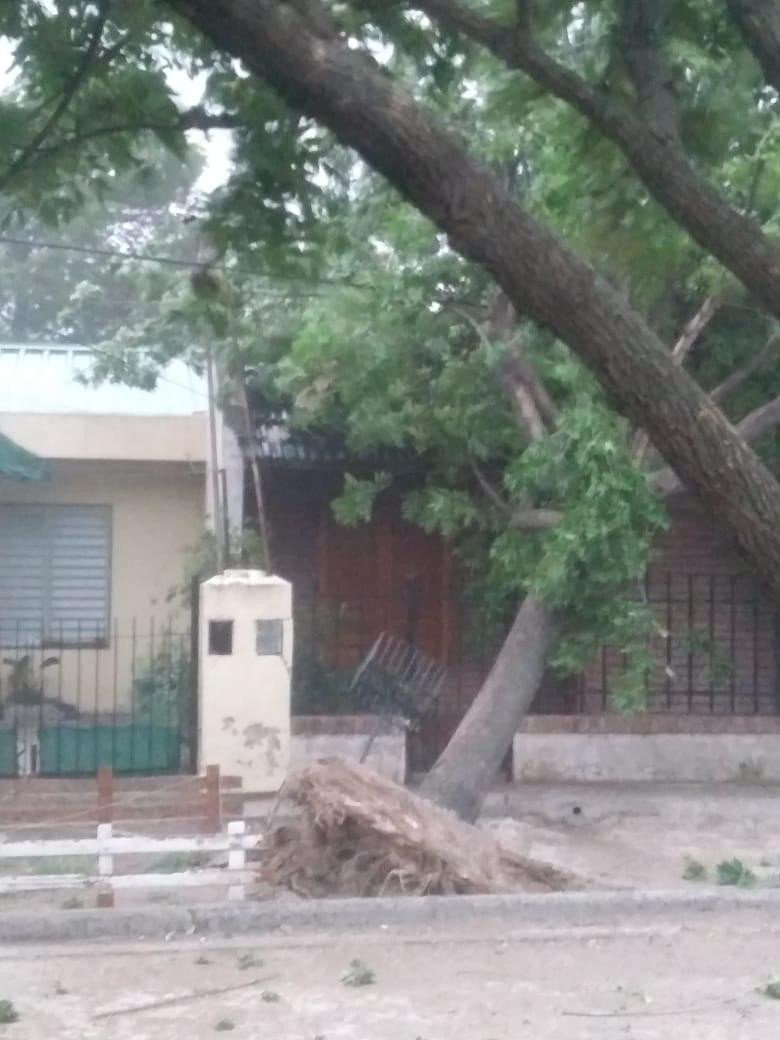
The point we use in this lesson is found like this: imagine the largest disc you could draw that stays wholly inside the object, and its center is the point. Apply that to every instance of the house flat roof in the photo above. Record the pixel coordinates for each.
(43, 379)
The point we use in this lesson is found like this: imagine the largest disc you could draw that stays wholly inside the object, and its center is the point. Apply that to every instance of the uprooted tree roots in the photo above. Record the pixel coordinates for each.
(363, 835)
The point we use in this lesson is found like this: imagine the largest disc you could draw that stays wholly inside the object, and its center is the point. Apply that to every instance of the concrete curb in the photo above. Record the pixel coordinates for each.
(228, 919)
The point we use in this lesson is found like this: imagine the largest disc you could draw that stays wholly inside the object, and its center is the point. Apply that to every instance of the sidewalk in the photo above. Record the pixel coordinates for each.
(640, 835)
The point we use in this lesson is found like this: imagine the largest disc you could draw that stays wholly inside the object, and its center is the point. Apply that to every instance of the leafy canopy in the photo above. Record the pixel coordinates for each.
(349, 309)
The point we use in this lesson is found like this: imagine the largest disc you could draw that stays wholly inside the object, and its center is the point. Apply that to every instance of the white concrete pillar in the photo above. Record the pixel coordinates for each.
(246, 642)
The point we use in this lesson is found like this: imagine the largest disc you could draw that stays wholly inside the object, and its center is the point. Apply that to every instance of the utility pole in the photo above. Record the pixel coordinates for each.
(257, 480)
(214, 462)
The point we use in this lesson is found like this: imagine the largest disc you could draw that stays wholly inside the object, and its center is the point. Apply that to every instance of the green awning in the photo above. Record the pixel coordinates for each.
(18, 464)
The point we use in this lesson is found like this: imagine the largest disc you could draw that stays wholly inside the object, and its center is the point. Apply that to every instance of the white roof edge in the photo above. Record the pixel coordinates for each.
(42, 379)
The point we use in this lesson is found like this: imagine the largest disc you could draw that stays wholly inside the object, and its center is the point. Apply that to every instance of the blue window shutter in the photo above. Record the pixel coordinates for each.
(22, 574)
(55, 573)
(78, 579)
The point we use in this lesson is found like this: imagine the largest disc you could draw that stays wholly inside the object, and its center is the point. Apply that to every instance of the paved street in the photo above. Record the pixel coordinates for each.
(690, 978)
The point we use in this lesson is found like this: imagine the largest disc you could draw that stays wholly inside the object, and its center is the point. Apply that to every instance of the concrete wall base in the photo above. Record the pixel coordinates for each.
(315, 737)
(677, 749)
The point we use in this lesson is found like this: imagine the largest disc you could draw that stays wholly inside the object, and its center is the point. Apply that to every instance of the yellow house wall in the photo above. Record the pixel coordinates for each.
(109, 438)
(157, 514)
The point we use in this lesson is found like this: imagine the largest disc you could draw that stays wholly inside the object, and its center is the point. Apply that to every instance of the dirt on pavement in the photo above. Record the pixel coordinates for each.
(641, 835)
(698, 977)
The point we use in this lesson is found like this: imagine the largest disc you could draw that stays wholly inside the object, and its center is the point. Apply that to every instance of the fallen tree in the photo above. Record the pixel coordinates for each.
(304, 50)
(360, 834)
(300, 52)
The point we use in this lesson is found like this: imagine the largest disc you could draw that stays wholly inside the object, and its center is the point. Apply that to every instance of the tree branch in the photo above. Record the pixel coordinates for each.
(533, 406)
(523, 403)
(639, 35)
(535, 519)
(737, 378)
(526, 518)
(523, 15)
(754, 425)
(517, 371)
(318, 20)
(731, 236)
(680, 351)
(760, 421)
(66, 97)
(694, 328)
(403, 141)
(193, 119)
(759, 23)
(489, 490)
(520, 395)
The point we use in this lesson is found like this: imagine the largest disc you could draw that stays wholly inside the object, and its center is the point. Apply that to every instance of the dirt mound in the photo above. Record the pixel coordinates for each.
(363, 835)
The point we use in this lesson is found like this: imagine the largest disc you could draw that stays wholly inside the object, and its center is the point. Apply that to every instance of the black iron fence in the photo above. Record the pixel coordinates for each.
(125, 696)
(122, 696)
(714, 649)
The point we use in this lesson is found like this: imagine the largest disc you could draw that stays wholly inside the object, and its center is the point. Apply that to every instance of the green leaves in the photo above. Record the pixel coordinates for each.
(589, 565)
(356, 502)
(344, 304)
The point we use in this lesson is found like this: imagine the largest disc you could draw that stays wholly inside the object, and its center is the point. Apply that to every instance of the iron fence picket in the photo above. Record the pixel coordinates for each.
(74, 700)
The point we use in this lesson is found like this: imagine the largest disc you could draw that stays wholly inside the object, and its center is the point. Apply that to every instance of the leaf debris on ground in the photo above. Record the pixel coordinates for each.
(8, 1013)
(358, 974)
(734, 872)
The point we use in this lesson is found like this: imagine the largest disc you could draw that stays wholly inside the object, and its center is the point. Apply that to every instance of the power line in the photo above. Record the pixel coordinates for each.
(200, 265)
(99, 251)
(171, 261)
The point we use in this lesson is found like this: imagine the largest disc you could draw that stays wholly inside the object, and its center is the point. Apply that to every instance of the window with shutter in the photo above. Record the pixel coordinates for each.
(54, 574)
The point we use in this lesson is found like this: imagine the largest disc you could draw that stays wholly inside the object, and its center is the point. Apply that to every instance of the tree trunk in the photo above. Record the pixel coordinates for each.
(469, 764)
(759, 23)
(658, 159)
(314, 69)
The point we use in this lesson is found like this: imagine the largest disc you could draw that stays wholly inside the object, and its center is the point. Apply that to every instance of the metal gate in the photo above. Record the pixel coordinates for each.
(124, 698)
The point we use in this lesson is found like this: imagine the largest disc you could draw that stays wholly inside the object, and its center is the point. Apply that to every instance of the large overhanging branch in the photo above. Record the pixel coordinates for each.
(362, 105)
(658, 159)
(759, 23)
(754, 425)
(192, 119)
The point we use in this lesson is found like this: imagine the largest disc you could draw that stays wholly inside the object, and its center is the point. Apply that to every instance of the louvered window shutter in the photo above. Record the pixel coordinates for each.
(54, 573)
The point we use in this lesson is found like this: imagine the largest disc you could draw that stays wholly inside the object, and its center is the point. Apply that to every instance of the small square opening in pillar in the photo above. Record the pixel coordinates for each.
(221, 638)
(269, 637)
